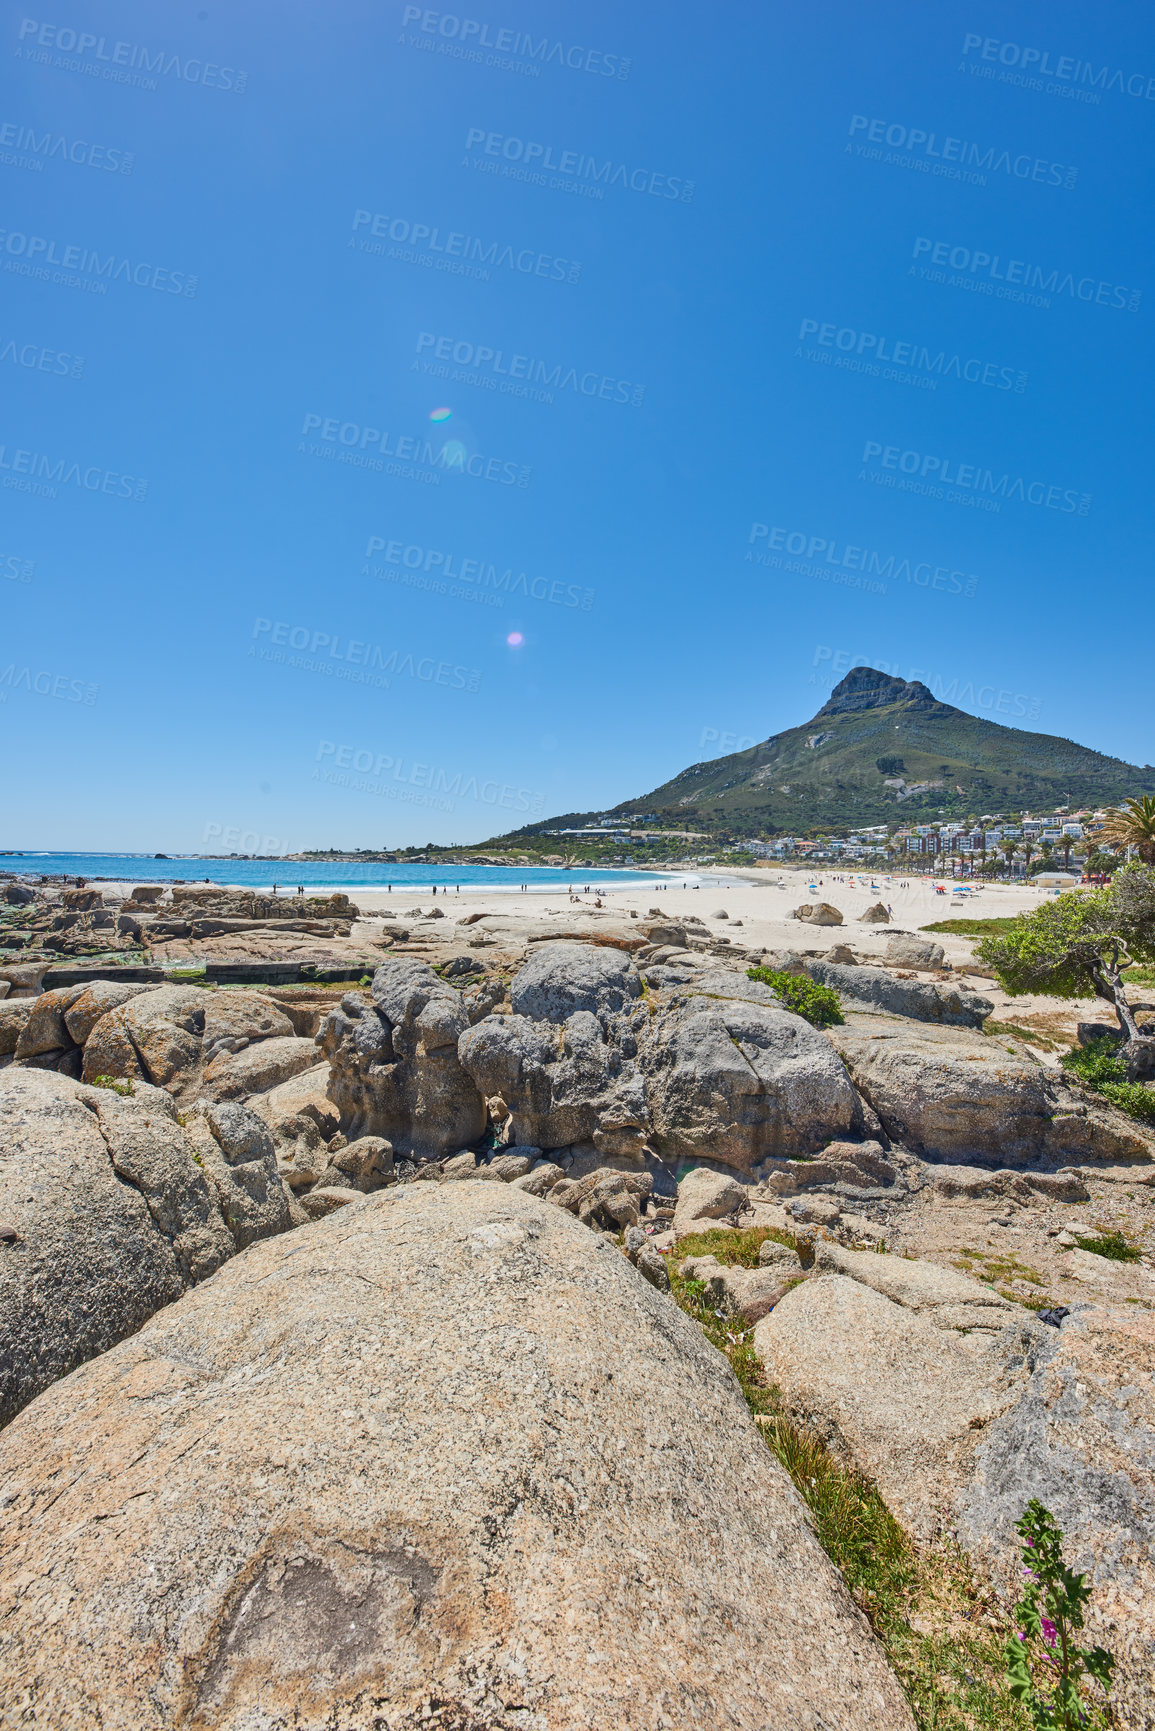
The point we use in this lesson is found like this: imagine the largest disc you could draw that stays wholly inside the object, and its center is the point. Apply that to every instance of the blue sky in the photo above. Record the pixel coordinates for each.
(848, 361)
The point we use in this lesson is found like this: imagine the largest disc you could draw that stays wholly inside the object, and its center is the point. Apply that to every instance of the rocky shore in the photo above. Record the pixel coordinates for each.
(343, 1380)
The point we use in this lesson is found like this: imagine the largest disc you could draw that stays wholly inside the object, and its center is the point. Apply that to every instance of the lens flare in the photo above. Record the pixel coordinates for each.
(515, 640)
(440, 414)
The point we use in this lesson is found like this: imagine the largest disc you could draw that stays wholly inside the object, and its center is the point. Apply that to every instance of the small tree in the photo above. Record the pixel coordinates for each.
(1080, 944)
(1045, 1667)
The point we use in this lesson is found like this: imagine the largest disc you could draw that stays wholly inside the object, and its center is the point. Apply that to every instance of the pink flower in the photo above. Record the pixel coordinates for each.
(1050, 1633)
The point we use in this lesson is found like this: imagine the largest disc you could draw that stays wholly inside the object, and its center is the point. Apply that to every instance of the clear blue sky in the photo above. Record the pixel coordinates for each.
(801, 311)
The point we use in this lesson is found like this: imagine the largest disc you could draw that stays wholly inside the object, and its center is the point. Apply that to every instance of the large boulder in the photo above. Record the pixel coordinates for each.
(315, 1494)
(955, 1095)
(562, 1084)
(877, 991)
(395, 1070)
(44, 1041)
(113, 1217)
(94, 1001)
(907, 952)
(155, 1037)
(737, 1082)
(818, 914)
(562, 978)
(877, 915)
(237, 1154)
(960, 1431)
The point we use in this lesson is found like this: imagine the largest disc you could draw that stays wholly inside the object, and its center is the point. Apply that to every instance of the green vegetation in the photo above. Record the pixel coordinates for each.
(126, 1088)
(972, 928)
(1101, 1067)
(998, 1271)
(1112, 1245)
(1080, 944)
(821, 1007)
(1045, 1667)
(932, 1618)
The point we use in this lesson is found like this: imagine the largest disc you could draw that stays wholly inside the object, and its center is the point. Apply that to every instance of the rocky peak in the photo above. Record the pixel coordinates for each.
(867, 688)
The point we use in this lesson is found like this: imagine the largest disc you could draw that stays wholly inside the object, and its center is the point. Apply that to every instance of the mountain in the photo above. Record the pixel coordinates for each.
(881, 750)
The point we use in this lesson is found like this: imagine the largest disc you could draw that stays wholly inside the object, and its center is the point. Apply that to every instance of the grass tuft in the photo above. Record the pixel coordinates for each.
(941, 1634)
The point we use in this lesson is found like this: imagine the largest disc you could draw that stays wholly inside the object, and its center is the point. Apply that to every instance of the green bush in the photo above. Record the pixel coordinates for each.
(1112, 1245)
(821, 1007)
(1101, 1067)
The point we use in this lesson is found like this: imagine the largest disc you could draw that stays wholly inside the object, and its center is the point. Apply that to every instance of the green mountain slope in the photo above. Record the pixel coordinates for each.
(833, 772)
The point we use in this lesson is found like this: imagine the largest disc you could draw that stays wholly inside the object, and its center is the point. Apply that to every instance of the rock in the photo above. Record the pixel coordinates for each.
(44, 1031)
(458, 966)
(874, 989)
(235, 1020)
(479, 1565)
(719, 914)
(704, 1196)
(737, 1082)
(540, 1180)
(814, 1210)
(951, 1300)
(914, 952)
(93, 1002)
(258, 1067)
(113, 1216)
(24, 978)
(665, 934)
(750, 1293)
(849, 1165)
(842, 953)
(878, 915)
(818, 914)
(238, 1157)
(1087, 1033)
(1139, 1057)
(514, 1163)
(971, 1182)
(327, 1198)
(651, 1265)
(395, 1066)
(154, 1037)
(461, 1166)
(13, 1016)
(771, 1254)
(19, 895)
(960, 1433)
(956, 1095)
(302, 1095)
(364, 1165)
(561, 978)
(302, 1157)
(562, 1085)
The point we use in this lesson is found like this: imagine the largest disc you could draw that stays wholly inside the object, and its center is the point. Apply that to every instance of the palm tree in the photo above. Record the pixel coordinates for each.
(1066, 842)
(1132, 824)
(1009, 849)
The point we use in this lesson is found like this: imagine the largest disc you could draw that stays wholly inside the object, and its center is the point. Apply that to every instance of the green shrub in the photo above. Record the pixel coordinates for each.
(1101, 1067)
(1112, 1245)
(116, 1087)
(1046, 1669)
(821, 1007)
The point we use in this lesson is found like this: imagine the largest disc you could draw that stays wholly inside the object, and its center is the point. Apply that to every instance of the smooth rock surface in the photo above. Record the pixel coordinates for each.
(246, 1517)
